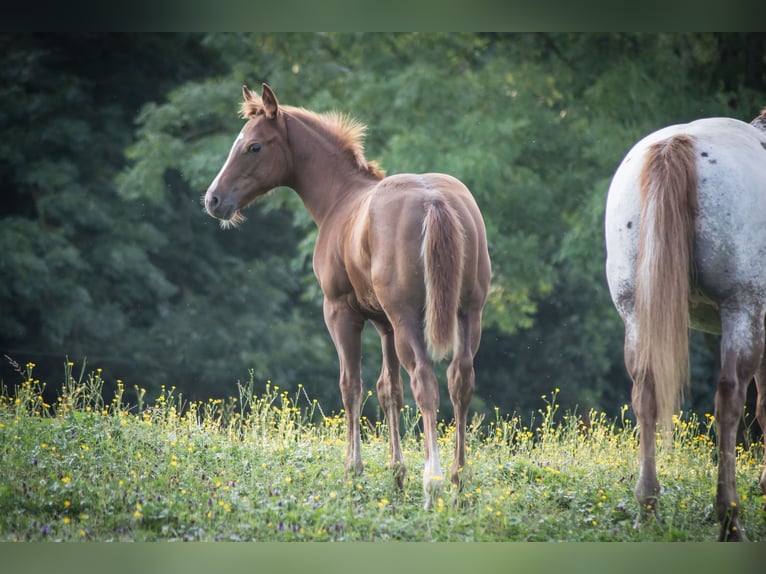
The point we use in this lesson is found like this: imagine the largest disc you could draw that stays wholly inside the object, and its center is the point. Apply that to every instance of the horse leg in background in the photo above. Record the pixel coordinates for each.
(345, 326)
(460, 378)
(760, 413)
(391, 397)
(411, 350)
(742, 343)
(647, 490)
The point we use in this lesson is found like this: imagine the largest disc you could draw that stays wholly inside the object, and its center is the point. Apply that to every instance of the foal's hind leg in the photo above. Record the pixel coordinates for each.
(742, 344)
(460, 378)
(411, 350)
(391, 398)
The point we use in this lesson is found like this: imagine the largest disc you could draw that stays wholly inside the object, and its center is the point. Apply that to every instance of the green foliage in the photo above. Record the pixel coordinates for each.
(110, 140)
(266, 465)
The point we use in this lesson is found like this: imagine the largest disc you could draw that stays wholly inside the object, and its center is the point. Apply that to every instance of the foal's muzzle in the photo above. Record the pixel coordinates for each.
(219, 208)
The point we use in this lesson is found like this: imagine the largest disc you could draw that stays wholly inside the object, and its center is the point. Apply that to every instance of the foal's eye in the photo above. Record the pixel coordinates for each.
(254, 148)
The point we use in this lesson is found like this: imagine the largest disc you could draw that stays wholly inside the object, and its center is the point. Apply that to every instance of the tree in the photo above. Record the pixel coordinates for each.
(78, 262)
(108, 253)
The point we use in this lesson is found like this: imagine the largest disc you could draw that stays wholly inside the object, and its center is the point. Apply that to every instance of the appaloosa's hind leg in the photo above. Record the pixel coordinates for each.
(411, 350)
(345, 326)
(391, 398)
(760, 413)
(460, 379)
(647, 490)
(742, 343)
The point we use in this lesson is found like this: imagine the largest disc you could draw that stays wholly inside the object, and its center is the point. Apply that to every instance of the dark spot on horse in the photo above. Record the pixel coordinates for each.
(630, 224)
(704, 154)
(763, 145)
(712, 161)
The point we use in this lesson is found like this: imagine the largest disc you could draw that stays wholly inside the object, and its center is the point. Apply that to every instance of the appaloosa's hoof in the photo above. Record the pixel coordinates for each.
(731, 532)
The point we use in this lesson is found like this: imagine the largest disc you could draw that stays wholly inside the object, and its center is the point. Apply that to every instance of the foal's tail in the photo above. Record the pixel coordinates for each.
(442, 250)
(665, 258)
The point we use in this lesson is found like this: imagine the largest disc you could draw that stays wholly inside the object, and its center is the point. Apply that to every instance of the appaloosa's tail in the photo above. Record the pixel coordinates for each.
(664, 269)
(442, 251)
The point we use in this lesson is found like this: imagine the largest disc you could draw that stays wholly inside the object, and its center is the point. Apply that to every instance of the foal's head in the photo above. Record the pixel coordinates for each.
(258, 161)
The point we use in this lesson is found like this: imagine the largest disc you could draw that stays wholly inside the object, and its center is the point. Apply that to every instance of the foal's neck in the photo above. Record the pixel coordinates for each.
(325, 176)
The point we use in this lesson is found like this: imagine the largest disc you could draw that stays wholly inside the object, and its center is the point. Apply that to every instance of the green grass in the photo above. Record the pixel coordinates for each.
(268, 466)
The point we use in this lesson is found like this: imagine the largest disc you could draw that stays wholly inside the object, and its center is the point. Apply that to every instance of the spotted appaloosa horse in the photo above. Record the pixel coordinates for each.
(406, 252)
(686, 247)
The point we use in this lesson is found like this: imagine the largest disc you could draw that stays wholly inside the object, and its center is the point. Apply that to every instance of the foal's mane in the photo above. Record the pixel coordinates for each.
(349, 132)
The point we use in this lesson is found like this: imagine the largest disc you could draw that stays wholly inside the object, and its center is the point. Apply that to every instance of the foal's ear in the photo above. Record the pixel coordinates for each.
(270, 102)
(247, 94)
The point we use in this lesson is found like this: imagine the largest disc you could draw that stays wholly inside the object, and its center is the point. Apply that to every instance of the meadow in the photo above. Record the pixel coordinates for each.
(267, 465)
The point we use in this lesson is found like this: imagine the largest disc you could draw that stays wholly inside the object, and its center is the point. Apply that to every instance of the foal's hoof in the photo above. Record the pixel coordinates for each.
(354, 468)
(460, 476)
(431, 499)
(647, 510)
(398, 472)
(432, 489)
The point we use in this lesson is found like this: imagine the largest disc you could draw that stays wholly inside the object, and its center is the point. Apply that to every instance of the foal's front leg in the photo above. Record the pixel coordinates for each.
(345, 326)
(391, 397)
(460, 379)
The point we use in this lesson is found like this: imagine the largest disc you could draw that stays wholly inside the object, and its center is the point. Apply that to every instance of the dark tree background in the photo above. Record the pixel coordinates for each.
(109, 140)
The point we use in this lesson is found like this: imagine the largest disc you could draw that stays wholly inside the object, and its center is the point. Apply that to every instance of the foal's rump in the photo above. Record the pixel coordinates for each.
(426, 235)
